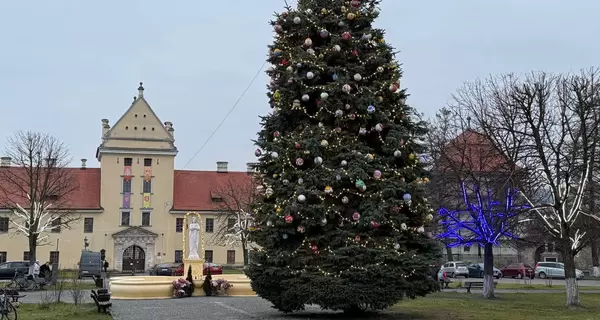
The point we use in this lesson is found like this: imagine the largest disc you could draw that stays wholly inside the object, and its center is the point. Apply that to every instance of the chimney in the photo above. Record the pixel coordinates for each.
(83, 161)
(105, 126)
(169, 127)
(222, 166)
(251, 167)
(5, 161)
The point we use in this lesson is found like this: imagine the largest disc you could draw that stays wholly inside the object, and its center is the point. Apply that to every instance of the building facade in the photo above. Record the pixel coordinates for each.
(133, 205)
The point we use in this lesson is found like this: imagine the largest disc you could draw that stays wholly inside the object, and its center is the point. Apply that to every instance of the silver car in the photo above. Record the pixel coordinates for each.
(456, 269)
(545, 270)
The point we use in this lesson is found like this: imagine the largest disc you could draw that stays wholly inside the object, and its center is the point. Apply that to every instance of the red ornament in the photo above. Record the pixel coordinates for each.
(346, 36)
(357, 238)
(395, 209)
(298, 146)
(315, 248)
(284, 62)
(375, 224)
(289, 219)
(276, 134)
(355, 53)
(355, 3)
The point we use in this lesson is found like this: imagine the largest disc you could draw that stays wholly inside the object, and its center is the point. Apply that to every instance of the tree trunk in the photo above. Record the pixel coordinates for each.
(32, 252)
(449, 254)
(245, 253)
(595, 259)
(571, 278)
(488, 271)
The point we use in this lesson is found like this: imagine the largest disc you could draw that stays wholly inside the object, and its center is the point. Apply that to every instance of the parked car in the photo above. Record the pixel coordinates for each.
(213, 267)
(456, 269)
(476, 271)
(7, 269)
(167, 269)
(518, 270)
(554, 270)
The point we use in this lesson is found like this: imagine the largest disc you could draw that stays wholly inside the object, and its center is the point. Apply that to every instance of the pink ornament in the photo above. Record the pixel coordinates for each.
(356, 216)
(257, 152)
(299, 162)
(377, 174)
(346, 35)
(276, 134)
(301, 229)
(357, 238)
(375, 224)
(289, 219)
(393, 88)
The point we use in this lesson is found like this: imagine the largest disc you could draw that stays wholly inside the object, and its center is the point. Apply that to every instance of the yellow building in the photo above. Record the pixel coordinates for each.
(133, 206)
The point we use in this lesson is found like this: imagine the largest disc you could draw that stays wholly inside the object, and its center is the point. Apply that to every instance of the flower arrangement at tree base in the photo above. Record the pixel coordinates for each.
(182, 288)
(220, 287)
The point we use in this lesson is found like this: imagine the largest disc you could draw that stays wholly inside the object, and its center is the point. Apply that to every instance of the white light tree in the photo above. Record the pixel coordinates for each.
(36, 187)
(551, 123)
(234, 223)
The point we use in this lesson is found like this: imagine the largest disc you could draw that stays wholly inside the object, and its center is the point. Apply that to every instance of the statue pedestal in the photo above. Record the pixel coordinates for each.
(197, 268)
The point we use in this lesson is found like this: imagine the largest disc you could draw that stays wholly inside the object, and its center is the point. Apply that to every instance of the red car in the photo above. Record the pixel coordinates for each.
(518, 270)
(213, 267)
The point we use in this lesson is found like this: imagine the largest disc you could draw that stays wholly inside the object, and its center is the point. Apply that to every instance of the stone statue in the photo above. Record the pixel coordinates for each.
(193, 238)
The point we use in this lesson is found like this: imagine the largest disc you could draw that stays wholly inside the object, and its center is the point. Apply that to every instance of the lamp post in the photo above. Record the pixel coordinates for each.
(86, 243)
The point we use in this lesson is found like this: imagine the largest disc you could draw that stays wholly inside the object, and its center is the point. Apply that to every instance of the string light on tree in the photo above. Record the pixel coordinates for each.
(346, 149)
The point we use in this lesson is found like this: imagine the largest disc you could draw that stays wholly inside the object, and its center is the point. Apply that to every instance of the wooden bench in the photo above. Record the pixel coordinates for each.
(475, 285)
(101, 301)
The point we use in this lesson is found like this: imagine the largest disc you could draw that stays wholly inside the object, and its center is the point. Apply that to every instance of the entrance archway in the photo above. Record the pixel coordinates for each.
(134, 259)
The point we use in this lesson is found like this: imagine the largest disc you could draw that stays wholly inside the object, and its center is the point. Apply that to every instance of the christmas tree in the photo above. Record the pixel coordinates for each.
(340, 220)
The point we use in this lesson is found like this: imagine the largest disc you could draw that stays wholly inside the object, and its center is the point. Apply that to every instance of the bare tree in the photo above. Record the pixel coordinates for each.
(464, 163)
(550, 124)
(234, 221)
(37, 187)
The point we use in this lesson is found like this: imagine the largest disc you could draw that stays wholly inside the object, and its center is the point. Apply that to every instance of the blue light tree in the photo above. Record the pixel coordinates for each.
(484, 221)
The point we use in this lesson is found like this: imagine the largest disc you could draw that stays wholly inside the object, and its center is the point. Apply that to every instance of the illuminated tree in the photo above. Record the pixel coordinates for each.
(482, 221)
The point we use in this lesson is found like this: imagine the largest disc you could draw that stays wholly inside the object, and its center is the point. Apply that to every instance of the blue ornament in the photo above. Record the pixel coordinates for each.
(407, 197)
(371, 109)
(334, 76)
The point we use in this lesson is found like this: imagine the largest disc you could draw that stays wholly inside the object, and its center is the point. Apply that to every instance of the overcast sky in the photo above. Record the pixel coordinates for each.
(66, 64)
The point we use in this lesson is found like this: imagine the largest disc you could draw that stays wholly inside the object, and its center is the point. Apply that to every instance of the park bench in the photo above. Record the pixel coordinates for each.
(475, 285)
(102, 300)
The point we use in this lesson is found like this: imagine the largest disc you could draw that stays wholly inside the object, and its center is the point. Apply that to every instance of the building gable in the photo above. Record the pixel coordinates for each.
(139, 128)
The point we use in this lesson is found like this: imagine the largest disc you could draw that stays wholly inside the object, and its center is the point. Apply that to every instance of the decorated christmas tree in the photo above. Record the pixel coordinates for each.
(340, 220)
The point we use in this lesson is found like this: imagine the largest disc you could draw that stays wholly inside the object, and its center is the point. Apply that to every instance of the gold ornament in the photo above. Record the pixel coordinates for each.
(276, 95)
(351, 16)
(323, 11)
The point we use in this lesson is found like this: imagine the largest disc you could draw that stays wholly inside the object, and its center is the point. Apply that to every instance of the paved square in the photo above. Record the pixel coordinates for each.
(214, 308)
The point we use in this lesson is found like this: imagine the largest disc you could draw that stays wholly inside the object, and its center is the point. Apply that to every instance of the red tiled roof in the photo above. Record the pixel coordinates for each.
(194, 190)
(472, 151)
(86, 195)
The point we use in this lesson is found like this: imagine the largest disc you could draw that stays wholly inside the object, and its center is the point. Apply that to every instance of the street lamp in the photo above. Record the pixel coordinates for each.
(86, 243)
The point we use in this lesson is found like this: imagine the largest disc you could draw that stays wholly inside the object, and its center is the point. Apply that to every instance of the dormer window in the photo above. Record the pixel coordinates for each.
(216, 197)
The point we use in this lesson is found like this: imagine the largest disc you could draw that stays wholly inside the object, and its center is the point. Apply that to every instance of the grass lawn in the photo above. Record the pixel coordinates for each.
(508, 306)
(527, 286)
(233, 271)
(60, 311)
